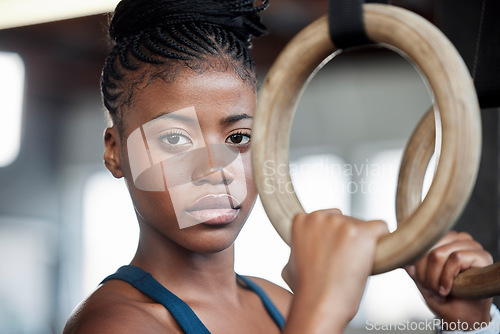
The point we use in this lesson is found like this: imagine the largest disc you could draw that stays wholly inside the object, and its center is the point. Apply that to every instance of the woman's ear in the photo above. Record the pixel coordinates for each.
(112, 149)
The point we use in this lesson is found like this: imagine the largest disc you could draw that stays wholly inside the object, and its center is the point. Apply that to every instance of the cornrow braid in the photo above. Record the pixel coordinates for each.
(201, 34)
(197, 41)
(162, 42)
(138, 53)
(123, 51)
(178, 37)
(154, 38)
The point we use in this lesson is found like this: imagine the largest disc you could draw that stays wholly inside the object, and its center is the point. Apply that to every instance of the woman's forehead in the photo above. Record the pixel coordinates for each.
(211, 93)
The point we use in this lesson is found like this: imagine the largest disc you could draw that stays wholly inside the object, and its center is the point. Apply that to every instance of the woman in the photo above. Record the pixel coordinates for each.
(180, 89)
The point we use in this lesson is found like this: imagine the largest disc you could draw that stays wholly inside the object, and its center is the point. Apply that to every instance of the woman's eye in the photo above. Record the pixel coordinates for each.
(175, 139)
(238, 139)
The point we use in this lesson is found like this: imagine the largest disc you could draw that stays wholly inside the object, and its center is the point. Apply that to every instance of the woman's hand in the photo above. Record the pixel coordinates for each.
(435, 272)
(332, 256)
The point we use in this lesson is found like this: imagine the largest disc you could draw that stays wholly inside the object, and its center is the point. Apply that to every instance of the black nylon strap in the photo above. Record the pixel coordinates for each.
(346, 24)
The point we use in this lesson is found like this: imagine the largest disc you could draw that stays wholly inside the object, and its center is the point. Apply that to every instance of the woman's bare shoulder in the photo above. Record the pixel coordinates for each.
(116, 307)
(280, 296)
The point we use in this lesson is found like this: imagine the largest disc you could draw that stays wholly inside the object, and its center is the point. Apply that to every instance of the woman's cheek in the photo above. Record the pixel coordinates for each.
(249, 179)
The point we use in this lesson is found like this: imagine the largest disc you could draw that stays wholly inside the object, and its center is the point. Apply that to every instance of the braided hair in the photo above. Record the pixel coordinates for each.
(156, 38)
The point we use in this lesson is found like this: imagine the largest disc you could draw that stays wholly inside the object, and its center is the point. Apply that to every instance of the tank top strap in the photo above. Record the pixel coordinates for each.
(268, 304)
(144, 282)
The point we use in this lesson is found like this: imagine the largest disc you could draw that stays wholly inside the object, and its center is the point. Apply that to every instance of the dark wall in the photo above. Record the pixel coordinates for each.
(474, 29)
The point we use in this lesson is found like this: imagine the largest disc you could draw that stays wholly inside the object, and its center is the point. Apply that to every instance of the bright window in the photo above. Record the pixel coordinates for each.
(110, 228)
(11, 105)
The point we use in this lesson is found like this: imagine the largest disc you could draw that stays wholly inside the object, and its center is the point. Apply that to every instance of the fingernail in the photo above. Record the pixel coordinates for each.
(442, 291)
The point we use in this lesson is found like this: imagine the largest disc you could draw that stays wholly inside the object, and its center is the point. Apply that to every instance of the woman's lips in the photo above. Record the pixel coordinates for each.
(214, 216)
(215, 209)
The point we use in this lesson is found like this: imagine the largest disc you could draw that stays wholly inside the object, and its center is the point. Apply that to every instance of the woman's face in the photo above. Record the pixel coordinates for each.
(185, 155)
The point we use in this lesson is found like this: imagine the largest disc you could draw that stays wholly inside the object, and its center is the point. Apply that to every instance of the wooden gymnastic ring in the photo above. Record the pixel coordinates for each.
(455, 97)
(472, 283)
(416, 157)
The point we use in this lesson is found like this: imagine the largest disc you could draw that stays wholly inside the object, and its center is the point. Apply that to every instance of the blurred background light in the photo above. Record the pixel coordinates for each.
(15, 13)
(11, 105)
(110, 228)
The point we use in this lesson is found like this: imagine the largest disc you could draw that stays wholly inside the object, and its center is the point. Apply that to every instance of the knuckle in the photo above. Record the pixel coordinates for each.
(317, 213)
(455, 257)
(484, 257)
(336, 220)
(336, 211)
(436, 256)
(464, 235)
(380, 225)
(476, 245)
(348, 230)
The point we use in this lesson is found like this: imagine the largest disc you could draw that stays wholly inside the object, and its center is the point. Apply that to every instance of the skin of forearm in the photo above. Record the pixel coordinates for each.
(312, 315)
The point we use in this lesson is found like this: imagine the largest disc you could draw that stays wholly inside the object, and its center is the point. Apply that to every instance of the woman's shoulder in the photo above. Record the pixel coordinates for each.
(116, 307)
(280, 296)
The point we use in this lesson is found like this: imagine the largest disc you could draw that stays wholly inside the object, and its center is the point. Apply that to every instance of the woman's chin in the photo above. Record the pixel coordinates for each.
(209, 238)
(213, 246)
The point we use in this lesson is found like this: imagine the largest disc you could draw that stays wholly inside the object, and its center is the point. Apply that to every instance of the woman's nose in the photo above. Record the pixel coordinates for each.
(212, 165)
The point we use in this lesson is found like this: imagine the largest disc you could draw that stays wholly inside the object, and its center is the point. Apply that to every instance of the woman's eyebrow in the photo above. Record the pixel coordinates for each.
(234, 118)
(172, 115)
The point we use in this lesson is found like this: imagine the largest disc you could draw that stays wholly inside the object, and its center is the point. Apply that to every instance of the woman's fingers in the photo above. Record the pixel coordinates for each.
(331, 258)
(436, 255)
(325, 237)
(331, 211)
(454, 253)
(453, 236)
(379, 228)
(458, 262)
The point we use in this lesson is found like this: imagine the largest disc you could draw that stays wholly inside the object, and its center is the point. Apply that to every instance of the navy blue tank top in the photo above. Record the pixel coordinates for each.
(182, 313)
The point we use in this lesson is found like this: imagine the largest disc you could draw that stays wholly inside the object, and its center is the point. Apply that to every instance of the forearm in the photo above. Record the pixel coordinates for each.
(313, 315)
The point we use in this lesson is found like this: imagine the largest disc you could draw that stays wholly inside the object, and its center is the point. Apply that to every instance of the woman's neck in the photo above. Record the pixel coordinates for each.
(188, 274)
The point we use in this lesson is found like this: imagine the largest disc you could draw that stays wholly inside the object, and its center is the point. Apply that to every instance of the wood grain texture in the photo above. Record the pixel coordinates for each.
(417, 154)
